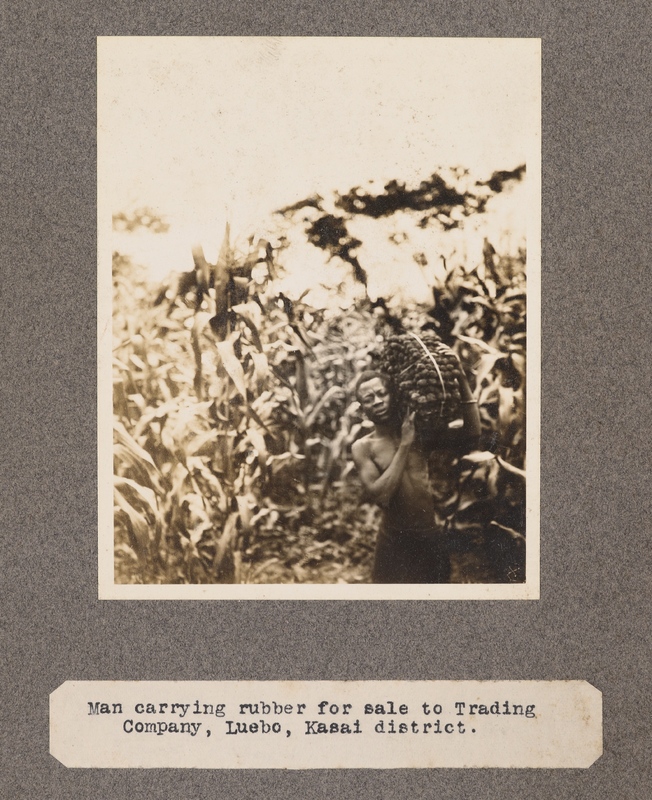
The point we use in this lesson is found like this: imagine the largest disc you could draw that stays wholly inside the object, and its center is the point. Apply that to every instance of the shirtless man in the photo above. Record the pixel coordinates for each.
(394, 472)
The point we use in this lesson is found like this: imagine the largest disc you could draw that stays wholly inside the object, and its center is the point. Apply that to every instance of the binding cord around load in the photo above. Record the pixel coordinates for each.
(441, 380)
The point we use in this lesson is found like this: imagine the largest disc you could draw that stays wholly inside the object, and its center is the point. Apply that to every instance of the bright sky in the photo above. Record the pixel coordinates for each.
(213, 129)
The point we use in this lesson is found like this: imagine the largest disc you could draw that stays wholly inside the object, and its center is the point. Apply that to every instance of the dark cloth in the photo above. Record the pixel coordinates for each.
(411, 556)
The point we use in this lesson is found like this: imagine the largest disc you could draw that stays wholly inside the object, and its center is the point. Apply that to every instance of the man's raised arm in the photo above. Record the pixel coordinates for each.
(380, 486)
(468, 435)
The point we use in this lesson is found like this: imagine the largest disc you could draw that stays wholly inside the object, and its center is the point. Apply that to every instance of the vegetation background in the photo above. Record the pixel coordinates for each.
(234, 413)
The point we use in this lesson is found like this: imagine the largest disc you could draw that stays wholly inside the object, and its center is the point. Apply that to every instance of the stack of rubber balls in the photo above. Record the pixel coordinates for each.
(423, 372)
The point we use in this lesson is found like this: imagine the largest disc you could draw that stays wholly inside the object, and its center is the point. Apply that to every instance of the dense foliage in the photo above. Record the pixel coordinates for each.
(235, 414)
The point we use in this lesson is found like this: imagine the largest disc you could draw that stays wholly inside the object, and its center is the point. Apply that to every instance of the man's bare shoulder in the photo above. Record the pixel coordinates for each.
(361, 447)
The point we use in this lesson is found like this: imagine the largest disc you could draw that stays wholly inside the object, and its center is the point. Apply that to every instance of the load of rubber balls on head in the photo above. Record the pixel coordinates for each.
(424, 376)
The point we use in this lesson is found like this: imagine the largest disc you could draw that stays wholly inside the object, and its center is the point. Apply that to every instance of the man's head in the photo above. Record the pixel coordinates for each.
(373, 392)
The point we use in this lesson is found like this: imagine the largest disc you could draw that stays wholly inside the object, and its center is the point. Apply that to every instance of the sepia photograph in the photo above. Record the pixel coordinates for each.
(318, 317)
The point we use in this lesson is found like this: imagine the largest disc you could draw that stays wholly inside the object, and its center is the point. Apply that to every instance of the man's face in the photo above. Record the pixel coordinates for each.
(375, 399)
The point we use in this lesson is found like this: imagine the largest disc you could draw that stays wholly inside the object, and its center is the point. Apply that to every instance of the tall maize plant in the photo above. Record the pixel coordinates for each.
(232, 419)
(482, 314)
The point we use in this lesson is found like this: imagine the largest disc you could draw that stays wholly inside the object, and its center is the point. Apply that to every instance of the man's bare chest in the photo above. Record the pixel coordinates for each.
(382, 452)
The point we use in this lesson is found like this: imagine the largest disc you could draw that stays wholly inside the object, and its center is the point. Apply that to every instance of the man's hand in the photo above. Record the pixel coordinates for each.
(451, 352)
(408, 429)
(461, 378)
